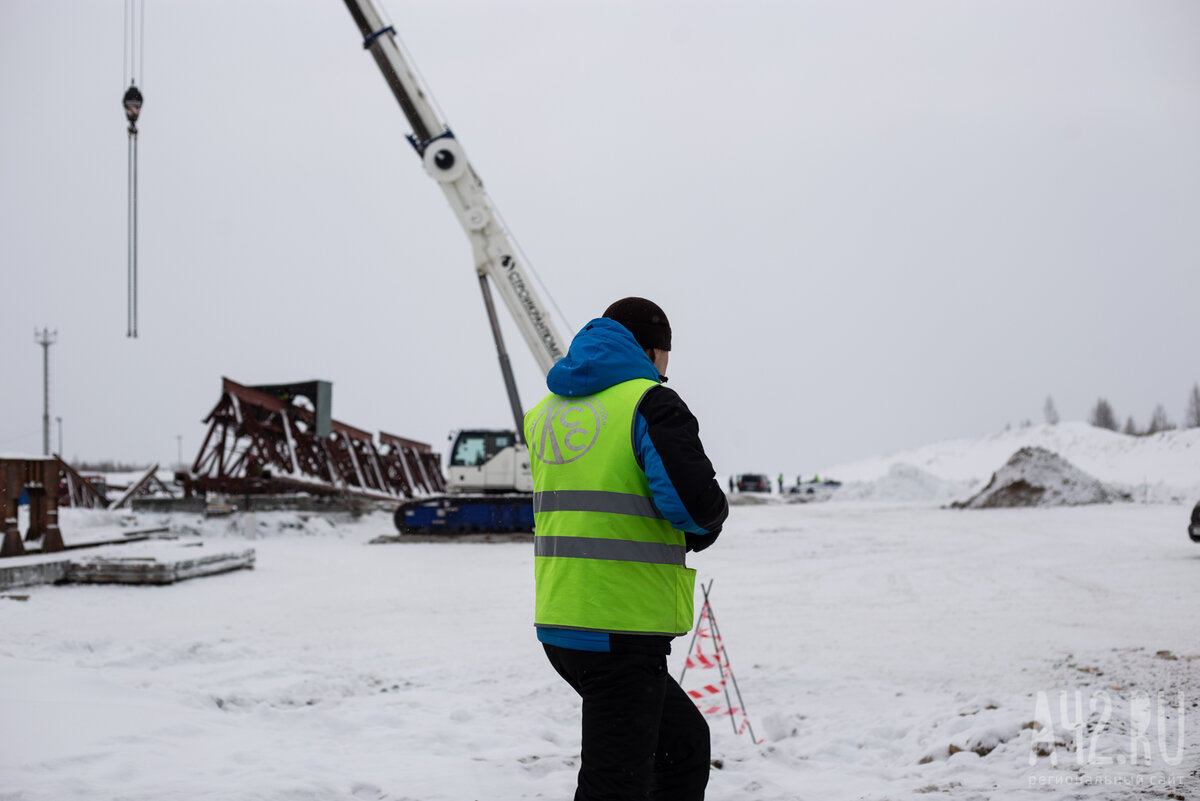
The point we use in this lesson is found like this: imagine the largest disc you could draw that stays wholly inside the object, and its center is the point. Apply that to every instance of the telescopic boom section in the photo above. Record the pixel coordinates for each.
(445, 161)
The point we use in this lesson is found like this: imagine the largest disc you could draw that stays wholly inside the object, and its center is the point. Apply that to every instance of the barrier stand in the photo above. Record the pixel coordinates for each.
(707, 629)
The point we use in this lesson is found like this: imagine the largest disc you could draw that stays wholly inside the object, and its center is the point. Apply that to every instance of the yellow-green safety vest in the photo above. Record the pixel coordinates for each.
(604, 557)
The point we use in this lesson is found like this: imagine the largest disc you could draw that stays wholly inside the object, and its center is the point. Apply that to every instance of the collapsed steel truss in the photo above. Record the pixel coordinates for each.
(257, 443)
(78, 491)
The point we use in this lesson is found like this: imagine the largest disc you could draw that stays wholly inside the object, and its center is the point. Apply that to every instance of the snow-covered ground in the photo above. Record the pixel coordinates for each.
(1164, 467)
(870, 639)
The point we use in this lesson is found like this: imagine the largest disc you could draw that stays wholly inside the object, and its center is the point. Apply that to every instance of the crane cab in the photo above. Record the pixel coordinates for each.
(488, 460)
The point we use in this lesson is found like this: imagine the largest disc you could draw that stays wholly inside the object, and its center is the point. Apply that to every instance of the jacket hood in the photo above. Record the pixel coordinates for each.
(603, 354)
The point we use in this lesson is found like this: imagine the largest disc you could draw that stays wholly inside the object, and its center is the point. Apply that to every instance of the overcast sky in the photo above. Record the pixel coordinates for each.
(873, 225)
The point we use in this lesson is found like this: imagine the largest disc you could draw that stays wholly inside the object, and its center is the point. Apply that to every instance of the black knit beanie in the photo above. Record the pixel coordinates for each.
(644, 319)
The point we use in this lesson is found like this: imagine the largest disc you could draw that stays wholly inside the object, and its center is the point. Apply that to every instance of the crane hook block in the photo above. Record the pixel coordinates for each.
(444, 160)
(133, 106)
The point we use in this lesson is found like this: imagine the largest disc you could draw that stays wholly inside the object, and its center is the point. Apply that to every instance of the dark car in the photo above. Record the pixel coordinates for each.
(753, 482)
(1194, 528)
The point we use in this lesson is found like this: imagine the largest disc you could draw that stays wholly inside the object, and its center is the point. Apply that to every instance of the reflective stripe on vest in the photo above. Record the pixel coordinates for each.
(621, 503)
(653, 553)
(605, 559)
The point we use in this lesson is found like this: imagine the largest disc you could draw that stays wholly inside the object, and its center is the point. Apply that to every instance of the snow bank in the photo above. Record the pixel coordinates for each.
(903, 482)
(1164, 467)
(752, 498)
(1038, 477)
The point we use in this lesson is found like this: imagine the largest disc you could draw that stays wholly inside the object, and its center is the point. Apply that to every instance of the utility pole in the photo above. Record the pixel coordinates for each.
(45, 338)
(135, 48)
(179, 447)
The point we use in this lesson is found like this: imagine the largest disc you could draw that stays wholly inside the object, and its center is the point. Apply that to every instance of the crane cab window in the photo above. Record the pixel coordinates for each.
(474, 448)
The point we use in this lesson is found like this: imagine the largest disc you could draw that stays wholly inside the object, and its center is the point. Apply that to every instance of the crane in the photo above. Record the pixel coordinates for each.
(492, 464)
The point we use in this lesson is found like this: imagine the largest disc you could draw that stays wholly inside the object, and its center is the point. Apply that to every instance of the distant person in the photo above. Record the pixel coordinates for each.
(781, 483)
(622, 490)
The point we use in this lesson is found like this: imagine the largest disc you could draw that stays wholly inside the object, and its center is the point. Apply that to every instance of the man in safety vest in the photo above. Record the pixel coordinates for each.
(622, 490)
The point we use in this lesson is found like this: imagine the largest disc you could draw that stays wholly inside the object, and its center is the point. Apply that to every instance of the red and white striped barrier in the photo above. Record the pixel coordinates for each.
(718, 659)
(708, 689)
(701, 661)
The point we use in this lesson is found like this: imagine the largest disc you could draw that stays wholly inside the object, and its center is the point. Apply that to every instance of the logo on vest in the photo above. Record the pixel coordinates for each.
(567, 429)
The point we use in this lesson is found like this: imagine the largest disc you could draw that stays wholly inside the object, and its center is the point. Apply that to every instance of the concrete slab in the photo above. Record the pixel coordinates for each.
(163, 567)
(31, 574)
(145, 562)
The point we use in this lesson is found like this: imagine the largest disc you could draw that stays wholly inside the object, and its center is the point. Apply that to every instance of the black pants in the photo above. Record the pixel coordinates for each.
(643, 738)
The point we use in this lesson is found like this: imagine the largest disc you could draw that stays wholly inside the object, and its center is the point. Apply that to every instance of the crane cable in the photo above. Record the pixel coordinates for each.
(133, 64)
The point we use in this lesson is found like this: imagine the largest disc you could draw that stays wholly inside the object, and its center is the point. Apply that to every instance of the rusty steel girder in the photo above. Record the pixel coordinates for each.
(257, 443)
(403, 458)
(77, 491)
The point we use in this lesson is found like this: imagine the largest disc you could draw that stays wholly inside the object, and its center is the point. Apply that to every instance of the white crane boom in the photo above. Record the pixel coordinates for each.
(445, 160)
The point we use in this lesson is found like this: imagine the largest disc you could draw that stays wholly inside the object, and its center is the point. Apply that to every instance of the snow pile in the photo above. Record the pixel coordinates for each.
(258, 525)
(751, 498)
(1164, 467)
(1038, 477)
(111, 521)
(903, 482)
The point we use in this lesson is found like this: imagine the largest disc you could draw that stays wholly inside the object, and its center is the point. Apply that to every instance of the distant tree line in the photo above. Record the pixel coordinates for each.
(1103, 416)
(107, 466)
